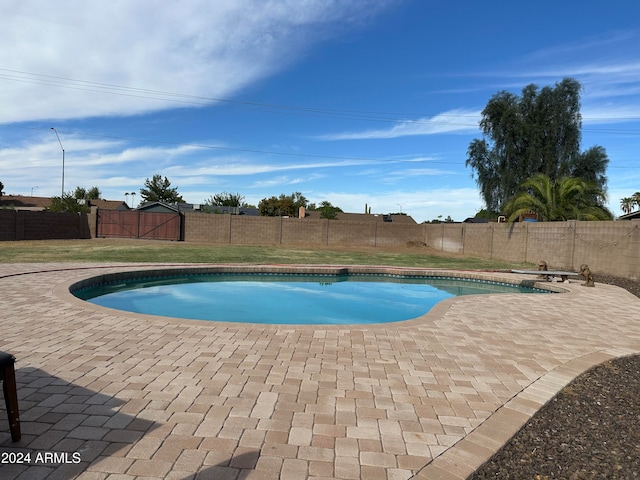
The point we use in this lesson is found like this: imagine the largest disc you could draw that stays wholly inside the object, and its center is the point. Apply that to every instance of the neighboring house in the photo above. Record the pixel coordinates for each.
(477, 220)
(20, 202)
(195, 207)
(254, 212)
(366, 217)
(160, 207)
(630, 216)
(109, 204)
(249, 211)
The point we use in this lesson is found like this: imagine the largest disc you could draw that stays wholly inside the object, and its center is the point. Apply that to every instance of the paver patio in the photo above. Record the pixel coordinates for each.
(131, 396)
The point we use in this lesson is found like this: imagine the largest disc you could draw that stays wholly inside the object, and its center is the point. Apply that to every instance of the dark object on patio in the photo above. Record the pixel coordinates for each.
(8, 377)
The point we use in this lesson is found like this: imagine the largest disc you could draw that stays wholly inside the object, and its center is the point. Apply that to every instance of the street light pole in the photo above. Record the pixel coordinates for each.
(58, 137)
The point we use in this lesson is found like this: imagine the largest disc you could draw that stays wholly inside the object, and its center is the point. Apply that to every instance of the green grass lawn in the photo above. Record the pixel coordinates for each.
(120, 250)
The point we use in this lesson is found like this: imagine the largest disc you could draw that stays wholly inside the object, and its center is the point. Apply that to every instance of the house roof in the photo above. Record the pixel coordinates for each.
(160, 207)
(109, 204)
(630, 216)
(249, 211)
(477, 220)
(22, 202)
(366, 217)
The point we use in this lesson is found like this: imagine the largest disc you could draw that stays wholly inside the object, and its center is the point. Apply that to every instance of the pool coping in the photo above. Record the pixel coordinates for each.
(65, 291)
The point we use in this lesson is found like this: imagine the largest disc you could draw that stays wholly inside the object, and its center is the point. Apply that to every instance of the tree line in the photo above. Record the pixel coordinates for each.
(159, 189)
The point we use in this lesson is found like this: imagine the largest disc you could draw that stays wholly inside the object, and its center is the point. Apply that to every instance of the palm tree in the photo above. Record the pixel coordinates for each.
(567, 198)
(636, 200)
(627, 204)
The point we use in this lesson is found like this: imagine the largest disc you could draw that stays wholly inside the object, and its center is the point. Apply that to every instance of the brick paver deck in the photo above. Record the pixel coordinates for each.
(108, 394)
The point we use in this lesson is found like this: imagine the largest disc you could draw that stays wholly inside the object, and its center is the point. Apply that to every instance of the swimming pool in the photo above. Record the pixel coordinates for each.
(338, 298)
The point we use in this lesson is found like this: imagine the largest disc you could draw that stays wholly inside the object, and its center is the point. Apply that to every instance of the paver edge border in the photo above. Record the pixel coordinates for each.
(462, 459)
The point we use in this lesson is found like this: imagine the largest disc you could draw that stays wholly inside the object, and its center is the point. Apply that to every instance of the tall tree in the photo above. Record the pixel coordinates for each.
(537, 132)
(225, 199)
(627, 204)
(92, 194)
(566, 198)
(67, 203)
(159, 190)
(284, 205)
(328, 211)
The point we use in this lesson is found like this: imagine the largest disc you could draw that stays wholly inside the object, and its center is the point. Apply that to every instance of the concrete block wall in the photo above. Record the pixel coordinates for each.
(352, 233)
(305, 232)
(8, 225)
(241, 230)
(255, 230)
(30, 225)
(609, 248)
(389, 234)
(478, 240)
(552, 242)
(199, 228)
(508, 241)
(453, 237)
(446, 237)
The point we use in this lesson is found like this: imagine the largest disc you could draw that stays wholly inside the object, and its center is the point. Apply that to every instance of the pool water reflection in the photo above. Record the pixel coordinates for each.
(288, 299)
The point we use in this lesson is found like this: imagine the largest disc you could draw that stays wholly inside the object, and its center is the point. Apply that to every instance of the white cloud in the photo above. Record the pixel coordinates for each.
(604, 44)
(610, 113)
(102, 162)
(453, 121)
(67, 59)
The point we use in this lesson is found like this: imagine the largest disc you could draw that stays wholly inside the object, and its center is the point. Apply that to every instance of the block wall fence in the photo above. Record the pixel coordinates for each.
(29, 225)
(609, 248)
(241, 230)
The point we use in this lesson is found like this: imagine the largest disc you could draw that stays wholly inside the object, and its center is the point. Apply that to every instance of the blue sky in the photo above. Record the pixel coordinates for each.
(354, 102)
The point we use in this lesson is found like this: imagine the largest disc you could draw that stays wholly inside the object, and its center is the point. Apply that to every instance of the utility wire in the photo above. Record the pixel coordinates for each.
(111, 89)
(198, 100)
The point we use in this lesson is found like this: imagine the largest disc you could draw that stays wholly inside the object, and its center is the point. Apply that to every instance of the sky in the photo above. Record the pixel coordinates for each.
(356, 102)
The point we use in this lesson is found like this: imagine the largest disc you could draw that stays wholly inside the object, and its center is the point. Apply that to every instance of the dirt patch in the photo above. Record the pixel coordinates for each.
(414, 244)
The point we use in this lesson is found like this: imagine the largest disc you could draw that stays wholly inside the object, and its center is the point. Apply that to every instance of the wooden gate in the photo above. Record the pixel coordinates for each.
(139, 224)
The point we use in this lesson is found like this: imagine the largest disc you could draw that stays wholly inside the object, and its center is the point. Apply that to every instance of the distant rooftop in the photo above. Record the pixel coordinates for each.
(366, 217)
(23, 202)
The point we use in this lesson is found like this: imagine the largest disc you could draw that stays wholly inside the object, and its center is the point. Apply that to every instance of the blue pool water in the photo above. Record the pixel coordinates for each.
(288, 299)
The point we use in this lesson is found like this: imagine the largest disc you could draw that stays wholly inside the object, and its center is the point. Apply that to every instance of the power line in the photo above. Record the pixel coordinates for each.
(112, 89)
(199, 100)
